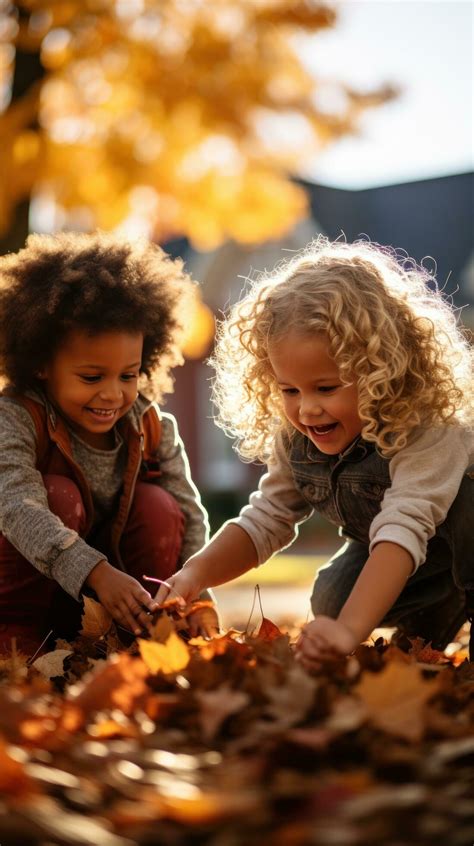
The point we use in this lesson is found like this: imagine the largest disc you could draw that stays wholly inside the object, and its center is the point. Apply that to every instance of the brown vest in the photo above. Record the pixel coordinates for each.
(54, 456)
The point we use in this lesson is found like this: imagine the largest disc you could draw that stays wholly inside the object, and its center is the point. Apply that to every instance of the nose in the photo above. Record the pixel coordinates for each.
(309, 408)
(111, 390)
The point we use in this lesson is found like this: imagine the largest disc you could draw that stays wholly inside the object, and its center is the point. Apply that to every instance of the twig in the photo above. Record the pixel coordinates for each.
(30, 660)
(166, 584)
(251, 610)
(257, 588)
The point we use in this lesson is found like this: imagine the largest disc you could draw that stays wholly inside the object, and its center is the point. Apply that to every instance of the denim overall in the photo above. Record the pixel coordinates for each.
(348, 490)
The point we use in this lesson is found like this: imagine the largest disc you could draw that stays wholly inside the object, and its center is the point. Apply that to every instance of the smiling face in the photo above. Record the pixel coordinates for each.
(315, 400)
(92, 380)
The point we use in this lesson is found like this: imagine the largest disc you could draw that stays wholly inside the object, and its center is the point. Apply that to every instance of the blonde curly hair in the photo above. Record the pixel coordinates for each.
(389, 329)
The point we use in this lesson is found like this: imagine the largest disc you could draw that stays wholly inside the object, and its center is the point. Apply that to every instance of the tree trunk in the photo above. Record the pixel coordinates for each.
(28, 70)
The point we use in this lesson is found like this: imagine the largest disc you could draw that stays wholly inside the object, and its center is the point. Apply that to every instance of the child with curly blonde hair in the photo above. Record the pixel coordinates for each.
(95, 490)
(345, 371)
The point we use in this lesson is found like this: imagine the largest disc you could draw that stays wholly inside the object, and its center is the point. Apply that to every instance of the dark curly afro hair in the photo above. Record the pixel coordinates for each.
(95, 283)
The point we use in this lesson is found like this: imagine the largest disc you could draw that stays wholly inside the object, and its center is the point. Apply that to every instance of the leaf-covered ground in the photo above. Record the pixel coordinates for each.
(181, 741)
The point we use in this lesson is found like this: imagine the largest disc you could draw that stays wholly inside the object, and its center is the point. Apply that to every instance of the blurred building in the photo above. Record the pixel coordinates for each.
(432, 220)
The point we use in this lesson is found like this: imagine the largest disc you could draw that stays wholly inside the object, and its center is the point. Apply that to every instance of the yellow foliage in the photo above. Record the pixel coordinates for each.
(169, 98)
(199, 332)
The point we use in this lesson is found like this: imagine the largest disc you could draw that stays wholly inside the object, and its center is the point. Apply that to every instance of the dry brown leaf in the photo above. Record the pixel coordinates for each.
(51, 664)
(268, 631)
(13, 778)
(216, 705)
(347, 714)
(395, 698)
(120, 683)
(316, 738)
(111, 728)
(290, 702)
(96, 620)
(425, 654)
(160, 630)
(206, 807)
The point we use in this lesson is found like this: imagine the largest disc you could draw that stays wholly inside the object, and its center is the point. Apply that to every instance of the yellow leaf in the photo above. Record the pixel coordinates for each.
(169, 657)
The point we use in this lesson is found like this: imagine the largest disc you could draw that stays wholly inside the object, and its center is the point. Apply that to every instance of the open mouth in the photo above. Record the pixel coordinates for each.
(322, 430)
(103, 413)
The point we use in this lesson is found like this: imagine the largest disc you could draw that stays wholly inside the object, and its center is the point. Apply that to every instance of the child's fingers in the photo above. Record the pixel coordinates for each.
(140, 605)
(146, 601)
(127, 619)
(308, 664)
(162, 594)
(309, 642)
(312, 649)
(204, 622)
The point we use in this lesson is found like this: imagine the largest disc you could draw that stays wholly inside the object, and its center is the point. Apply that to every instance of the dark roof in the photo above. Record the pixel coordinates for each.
(430, 217)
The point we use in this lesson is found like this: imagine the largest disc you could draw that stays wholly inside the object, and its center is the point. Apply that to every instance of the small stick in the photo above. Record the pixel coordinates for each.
(251, 610)
(257, 588)
(166, 584)
(30, 660)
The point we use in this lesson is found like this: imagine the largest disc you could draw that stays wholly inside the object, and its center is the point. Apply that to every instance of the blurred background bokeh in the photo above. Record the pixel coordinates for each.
(231, 132)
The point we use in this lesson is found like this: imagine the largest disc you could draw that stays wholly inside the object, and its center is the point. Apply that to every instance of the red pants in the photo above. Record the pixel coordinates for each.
(31, 604)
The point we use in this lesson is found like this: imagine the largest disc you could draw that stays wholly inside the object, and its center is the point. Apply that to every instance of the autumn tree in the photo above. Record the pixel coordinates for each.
(174, 112)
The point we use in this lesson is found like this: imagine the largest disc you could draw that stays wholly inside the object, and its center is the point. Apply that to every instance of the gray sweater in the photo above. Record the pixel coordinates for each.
(39, 535)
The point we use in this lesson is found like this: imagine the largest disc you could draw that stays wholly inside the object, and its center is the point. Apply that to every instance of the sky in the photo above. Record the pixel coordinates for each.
(424, 47)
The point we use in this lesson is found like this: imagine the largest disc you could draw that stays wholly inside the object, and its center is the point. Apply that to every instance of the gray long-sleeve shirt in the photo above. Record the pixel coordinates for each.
(39, 535)
(425, 478)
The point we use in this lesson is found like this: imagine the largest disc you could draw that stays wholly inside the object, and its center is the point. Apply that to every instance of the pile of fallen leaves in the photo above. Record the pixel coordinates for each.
(225, 742)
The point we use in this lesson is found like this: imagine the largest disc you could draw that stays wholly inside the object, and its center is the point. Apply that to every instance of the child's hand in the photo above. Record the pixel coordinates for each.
(183, 586)
(123, 597)
(324, 639)
(204, 621)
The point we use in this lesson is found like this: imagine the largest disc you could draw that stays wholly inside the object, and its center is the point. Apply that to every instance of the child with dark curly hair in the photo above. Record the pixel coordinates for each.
(95, 490)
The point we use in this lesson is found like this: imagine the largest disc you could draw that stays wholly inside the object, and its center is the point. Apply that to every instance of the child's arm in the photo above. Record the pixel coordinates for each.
(229, 554)
(377, 588)
(268, 523)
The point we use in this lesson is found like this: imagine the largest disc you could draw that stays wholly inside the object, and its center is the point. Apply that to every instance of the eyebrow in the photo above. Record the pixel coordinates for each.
(324, 379)
(101, 366)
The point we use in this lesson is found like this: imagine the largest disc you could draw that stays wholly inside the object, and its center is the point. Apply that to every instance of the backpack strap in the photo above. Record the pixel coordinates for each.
(152, 434)
(37, 413)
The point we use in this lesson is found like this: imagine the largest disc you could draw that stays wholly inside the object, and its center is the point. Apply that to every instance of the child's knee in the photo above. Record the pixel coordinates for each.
(157, 508)
(326, 598)
(152, 539)
(65, 500)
